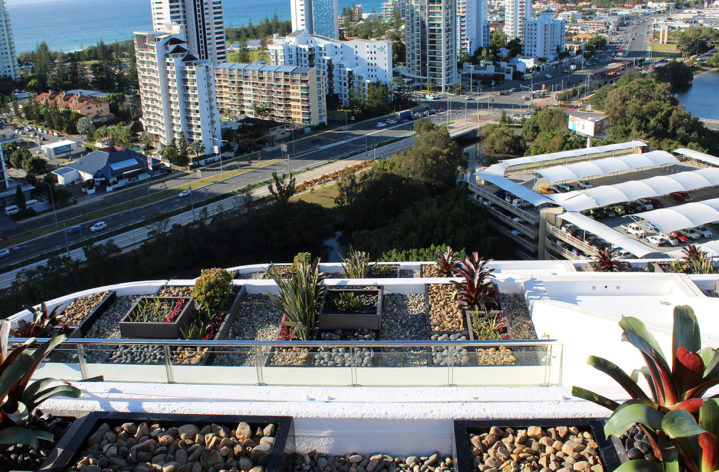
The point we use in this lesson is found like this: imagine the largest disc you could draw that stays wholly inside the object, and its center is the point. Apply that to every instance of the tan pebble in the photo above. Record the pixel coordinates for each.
(562, 431)
(557, 445)
(495, 431)
(587, 435)
(581, 465)
(597, 468)
(570, 447)
(534, 432)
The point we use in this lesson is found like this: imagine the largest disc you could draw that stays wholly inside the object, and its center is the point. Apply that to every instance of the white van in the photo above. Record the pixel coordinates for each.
(12, 210)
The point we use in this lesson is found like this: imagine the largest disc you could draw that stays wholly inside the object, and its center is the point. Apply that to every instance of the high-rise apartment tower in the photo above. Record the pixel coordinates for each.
(201, 21)
(472, 25)
(316, 17)
(516, 12)
(431, 34)
(8, 59)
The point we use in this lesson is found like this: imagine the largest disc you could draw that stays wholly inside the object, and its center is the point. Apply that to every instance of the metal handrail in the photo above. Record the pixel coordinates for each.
(253, 343)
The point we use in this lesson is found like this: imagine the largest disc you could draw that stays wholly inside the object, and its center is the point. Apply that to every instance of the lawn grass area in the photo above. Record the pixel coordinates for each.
(258, 55)
(665, 50)
(171, 192)
(324, 195)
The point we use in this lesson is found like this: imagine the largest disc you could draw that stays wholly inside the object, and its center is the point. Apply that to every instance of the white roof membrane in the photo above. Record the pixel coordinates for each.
(688, 215)
(580, 200)
(515, 189)
(608, 234)
(698, 156)
(609, 165)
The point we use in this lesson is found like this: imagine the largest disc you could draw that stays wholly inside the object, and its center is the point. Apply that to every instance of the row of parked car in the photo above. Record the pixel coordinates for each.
(561, 188)
(594, 241)
(630, 208)
(658, 238)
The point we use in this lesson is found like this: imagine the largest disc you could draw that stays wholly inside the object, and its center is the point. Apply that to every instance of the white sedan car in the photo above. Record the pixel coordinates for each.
(99, 226)
(185, 193)
(4, 252)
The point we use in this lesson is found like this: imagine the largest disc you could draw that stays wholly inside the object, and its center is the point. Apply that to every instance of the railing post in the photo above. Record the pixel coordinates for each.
(353, 367)
(81, 360)
(168, 363)
(258, 366)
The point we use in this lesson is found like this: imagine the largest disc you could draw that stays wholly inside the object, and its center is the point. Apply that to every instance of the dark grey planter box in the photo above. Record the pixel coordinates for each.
(72, 443)
(329, 320)
(157, 330)
(81, 330)
(492, 313)
(463, 429)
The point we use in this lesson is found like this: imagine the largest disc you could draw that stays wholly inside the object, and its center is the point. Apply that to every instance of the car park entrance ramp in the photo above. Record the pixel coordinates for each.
(597, 197)
(688, 215)
(607, 166)
(608, 234)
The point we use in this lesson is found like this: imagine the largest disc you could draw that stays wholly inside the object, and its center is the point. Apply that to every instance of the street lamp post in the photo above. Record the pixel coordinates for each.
(219, 149)
(52, 200)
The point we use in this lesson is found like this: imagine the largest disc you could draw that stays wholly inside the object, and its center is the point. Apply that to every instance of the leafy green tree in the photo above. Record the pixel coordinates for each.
(676, 74)
(35, 165)
(197, 148)
(434, 159)
(280, 189)
(499, 139)
(714, 60)
(85, 126)
(497, 40)
(697, 40)
(170, 154)
(542, 120)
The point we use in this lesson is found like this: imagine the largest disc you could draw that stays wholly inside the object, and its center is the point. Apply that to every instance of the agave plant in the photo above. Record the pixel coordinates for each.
(356, 265)
(477, 288)
(605, 261)
(301, 296)
(43, 324)
(698, 260)
(18, 397)
(447, 261)
(667, 414)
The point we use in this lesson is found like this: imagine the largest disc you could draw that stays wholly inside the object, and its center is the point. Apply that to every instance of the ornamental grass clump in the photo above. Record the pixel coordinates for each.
(356, 265)
(19, 397)
(681, 426)
(476, 289)
(213, 288)
(300, 298)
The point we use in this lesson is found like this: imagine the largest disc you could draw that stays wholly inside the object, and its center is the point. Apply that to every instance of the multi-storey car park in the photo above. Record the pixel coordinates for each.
(570, 204)
(388, 395)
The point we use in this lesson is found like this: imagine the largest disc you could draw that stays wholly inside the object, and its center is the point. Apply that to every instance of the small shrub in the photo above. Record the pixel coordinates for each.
(347, 302)
(477, 289)
(43, 324)
(213, 288)
(300, 257)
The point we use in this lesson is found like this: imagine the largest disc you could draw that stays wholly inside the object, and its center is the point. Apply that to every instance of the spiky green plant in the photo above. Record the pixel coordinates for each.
(347, 302)
(668, 415)
(356, 265)
(698, 260)
(300, 298)
(43, 325)
(19, 397)
(486, 326)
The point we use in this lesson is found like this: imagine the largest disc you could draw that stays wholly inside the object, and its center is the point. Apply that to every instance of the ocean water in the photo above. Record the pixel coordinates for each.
(68, 25)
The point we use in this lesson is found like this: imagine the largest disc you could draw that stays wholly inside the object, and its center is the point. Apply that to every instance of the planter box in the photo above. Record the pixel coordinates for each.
(464, 428)
(81, 330)
(492, 313)
(280, 457)
(156, 330)
(330, 321)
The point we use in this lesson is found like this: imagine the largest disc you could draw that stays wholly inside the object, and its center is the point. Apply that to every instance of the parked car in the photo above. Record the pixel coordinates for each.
(704, 231)
(563, 187)
(655, 202)
(656, 240)
(391, 122)
(635, 229)
(73, 230)
(679, 237)
(583, 184)
(469, 97)
(185, 193)
(645, 204)
(12, 210)
(4, 252)
(547, 189)
(381, 124)
(99, 226)
(680, 196)
(547, 76)
(669, 240)
(691, 233)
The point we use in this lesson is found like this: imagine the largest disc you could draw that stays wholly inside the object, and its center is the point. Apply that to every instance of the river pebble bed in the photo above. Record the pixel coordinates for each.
(345, 356)
(535, 449)
(80, 308)
(19, 457)
(637, 445)
(257, 319)
(151, 447)
(378, 462)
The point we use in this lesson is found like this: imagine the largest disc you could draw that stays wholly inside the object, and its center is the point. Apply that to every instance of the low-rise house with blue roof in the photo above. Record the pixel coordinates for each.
(115, 167)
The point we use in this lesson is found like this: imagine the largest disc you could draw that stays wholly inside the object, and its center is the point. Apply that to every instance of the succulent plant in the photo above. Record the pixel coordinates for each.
(19, 397)
(300, 298)
(476, 289)
(447, 261)
(668, 415)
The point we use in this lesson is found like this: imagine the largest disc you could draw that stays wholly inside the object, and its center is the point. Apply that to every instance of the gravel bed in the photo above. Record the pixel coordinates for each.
(410, 273)
(80, 308)
(345, 356)
(495, 356)
(17, 457)
(175, 291)
(107, 327)
(257, 320)
(404, 317)
(291, 356)
(146, 448)
(252, 275)
(444, 315)
(430, 270)
(516, 313)
(314, 462)
(534, 448)
(454, 355)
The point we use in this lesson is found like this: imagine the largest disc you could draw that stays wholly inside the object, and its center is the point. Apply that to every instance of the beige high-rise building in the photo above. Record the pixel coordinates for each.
(177, 91)
(282, 93)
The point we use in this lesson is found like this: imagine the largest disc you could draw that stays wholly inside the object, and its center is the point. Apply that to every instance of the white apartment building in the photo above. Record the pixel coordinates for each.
(516, 13)
(8, 59)
(177, 90)
(472, 25)
(202, 22)
(389, 9)
(431, 34)
(344, 66)
(316, 17)
(543, 35)
(286, 94)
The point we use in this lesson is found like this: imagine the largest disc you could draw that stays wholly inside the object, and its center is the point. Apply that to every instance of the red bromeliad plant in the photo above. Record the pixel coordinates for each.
(605, 261)
(43, 324)
(681, 426)
(447, 261)
(172, 316)
(477, 288)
